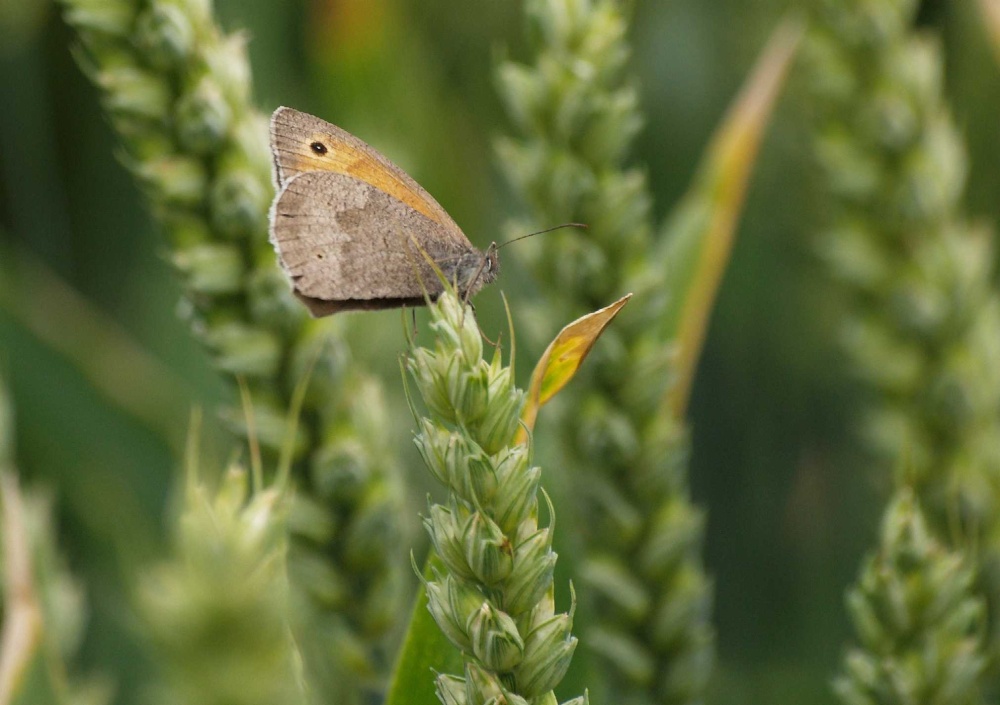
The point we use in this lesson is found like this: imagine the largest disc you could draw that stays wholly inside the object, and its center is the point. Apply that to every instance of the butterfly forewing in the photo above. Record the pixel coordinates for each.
(302, 143)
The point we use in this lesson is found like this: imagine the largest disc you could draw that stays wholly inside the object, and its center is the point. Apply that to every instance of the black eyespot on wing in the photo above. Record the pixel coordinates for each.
(318, 147)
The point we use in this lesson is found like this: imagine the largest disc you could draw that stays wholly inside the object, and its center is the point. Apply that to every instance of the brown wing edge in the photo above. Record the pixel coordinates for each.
(319, 308)
(271, 213)
(275, 169)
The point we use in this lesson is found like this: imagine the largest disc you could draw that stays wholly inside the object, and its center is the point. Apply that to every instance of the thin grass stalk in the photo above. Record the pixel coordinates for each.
(177, 91)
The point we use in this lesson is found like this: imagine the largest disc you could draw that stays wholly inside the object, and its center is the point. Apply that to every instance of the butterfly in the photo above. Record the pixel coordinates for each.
(354, 232)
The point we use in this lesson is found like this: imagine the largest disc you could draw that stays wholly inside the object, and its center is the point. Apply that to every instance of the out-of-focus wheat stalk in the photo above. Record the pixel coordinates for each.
(178, 92)
(218, 611)
(923, 325)
(576, 116)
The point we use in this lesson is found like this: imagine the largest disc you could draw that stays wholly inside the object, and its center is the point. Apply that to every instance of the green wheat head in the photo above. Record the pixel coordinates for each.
(494, 596)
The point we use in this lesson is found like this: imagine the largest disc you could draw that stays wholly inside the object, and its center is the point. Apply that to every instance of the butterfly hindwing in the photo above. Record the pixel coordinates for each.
(346, 244)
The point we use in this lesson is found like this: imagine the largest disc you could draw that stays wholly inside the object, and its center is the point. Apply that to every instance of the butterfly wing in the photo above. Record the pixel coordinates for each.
(348, 245)
(302, 143)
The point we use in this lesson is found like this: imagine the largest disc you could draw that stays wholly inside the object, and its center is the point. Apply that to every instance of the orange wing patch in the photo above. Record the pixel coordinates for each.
(343, 158)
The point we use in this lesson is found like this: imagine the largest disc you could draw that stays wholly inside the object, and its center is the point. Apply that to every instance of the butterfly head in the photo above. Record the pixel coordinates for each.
(491, 265)
(477, 269)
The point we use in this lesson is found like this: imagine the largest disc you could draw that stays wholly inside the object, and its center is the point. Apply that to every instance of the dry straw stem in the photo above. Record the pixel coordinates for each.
(178, 92)
(21, 635)
(577, 116)
(43, 611)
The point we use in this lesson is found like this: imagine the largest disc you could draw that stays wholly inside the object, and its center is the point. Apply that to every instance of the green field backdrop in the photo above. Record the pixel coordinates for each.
(103, 371)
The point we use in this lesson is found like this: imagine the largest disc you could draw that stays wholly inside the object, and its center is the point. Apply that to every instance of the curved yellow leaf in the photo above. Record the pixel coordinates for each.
(563, 358)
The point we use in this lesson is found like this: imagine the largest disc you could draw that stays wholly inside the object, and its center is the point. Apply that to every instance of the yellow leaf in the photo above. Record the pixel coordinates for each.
(713, 207)
(563, 358)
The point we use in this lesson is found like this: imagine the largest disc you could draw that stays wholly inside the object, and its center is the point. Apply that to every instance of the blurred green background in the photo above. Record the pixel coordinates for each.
(89, 305)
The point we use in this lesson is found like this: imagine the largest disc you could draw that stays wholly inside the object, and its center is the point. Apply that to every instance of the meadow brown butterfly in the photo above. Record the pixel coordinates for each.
(354, 232)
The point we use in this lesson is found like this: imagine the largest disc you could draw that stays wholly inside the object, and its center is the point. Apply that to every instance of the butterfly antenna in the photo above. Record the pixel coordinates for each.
(582, 226)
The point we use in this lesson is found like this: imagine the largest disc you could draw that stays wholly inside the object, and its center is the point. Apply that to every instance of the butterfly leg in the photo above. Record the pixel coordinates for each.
(483, 334)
